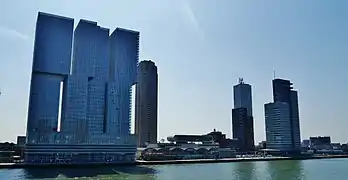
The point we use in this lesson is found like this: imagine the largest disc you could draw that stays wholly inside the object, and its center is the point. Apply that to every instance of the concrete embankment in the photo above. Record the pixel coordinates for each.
(227, 160)
(189, 161)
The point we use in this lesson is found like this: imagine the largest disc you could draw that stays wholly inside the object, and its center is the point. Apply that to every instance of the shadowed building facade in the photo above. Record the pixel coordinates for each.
(51, 67)
(80, 113)
(146, 103)
(242, 116)
(243, 129)
(282, 118)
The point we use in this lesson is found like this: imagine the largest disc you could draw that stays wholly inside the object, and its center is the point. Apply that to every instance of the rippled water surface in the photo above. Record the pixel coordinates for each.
(324, 169)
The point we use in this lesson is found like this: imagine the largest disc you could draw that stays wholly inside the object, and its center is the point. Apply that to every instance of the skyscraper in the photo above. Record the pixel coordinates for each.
(283, 92)
(285, 110)
(84, 103)
(278, 127)
(51, 65)
(124, 57)
(94, 94)
(146, 103)
(242, 96)
(242, 119)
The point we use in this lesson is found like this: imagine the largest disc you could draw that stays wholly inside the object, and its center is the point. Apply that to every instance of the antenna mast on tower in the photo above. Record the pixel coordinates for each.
(274, 74)
(241, 81)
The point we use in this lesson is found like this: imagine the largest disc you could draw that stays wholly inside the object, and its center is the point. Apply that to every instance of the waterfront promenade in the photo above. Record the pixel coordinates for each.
(187, 161)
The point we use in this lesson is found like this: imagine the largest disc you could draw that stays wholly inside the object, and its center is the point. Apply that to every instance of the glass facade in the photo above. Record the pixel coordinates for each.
(242, 116)
(283, 92)
(124, 57)
(243, 129)
(278, 126)
(74, 108)
(51, 64)
(91, 98)
(242, 97)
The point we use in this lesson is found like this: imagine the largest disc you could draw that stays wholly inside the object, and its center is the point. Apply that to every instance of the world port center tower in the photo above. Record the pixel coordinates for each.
(80, 93)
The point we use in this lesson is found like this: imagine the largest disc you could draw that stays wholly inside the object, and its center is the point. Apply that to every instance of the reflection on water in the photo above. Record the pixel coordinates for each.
(244, 171)
(272, 170)
(45, 173)
(286, 170)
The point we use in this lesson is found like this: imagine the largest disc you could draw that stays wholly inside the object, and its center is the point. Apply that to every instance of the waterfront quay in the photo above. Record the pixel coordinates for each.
(165, 162)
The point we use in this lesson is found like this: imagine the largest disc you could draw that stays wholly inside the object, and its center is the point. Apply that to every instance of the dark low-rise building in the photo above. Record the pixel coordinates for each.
(320, 140)
(224, 142)
(185, 139)
(21, 141)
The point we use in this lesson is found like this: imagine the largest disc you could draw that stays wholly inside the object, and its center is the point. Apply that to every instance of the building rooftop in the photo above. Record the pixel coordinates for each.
(55, 16)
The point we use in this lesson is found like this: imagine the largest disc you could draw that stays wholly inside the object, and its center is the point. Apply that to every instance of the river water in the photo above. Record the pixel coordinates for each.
(320, 169)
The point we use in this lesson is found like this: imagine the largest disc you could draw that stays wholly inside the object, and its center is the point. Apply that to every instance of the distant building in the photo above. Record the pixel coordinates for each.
(278, 126)
(242, 96)
(80, 93)
(262, 145)
(320, 140)
(21, 141)
(283, 92)
(242, 118)
(305, 143)
(224, 142)
(146, 103)
(215, 138)
(243, 129)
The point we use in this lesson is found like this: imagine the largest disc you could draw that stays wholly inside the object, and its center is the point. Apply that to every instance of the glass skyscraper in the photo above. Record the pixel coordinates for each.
(282, 117)
(92, 97)
(51, 65)
(242, 96)
(124, 57)
(278, 126)
(242, 116)
(283, 92)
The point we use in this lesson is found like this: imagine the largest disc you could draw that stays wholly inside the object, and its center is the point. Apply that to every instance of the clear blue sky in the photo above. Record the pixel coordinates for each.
(201, 47)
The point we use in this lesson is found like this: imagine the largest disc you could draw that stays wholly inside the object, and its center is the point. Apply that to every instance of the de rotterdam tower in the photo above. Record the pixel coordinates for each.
(80, 93)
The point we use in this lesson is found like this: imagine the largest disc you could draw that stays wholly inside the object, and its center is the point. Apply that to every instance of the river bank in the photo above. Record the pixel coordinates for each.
(188, 161)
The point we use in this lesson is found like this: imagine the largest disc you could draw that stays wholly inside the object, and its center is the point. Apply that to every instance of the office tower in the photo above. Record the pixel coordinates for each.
(74, 109)
(124, 56)
(242, 96)
(242, 119)
(51, 65)
(80, 114)
(146, 103)
(283, 92)
(243, 129)
(278, 126)
(84, 103)
(91, 50)
(91, 63)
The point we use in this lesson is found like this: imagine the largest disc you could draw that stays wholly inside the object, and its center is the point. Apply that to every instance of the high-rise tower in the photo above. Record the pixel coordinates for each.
(278, 127)
(242, 119)
(242, 96)
(84, 103)
(146, 103)
(51, 66)
(283, 93)
(80, 114)
(124, 57)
